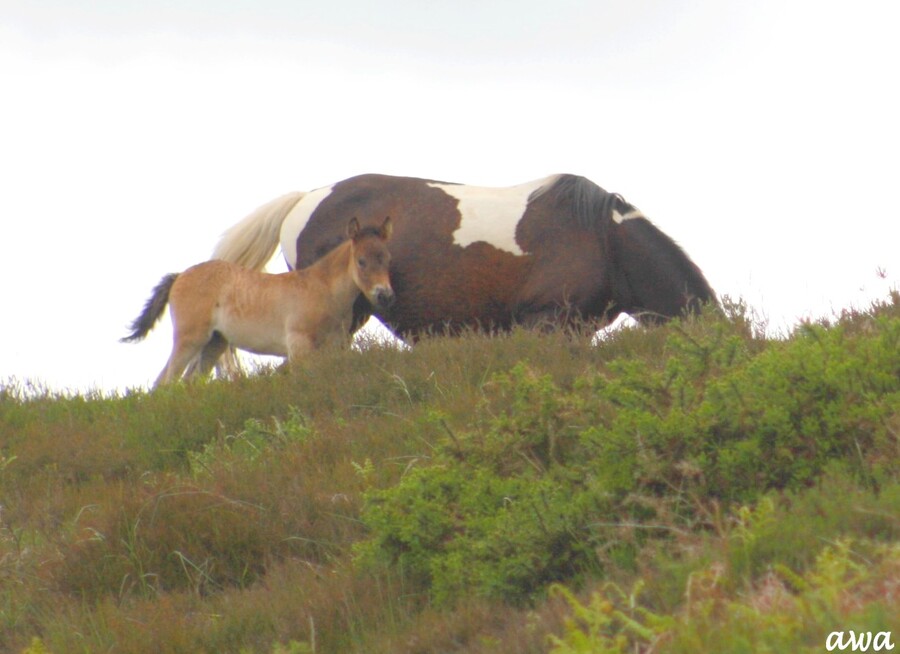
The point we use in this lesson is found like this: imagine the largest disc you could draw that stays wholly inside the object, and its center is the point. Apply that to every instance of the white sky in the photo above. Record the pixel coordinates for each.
(763, 136)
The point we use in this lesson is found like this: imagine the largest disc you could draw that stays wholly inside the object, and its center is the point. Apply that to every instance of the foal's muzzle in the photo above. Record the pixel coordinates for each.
(383, 297)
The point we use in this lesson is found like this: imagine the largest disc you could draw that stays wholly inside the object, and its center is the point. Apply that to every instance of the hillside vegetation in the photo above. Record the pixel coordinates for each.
(694, 487)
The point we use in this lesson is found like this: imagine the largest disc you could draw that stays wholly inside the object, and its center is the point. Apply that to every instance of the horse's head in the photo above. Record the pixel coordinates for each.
(370, 260)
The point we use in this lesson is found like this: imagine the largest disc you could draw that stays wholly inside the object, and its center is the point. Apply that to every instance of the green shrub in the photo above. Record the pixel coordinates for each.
(547, 476)
(245, 447)
(495, 512)
(781, 612)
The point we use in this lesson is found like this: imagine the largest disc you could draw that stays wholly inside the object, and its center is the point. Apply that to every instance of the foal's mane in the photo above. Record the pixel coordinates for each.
(368, 230)
(332, 244)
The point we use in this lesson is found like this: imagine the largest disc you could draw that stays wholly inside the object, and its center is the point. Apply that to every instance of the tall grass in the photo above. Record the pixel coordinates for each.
(426, 500)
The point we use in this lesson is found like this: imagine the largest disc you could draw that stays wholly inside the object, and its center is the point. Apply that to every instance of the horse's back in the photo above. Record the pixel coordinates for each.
(454, 249)
(223, 285)
(487, 257)
(203, 282)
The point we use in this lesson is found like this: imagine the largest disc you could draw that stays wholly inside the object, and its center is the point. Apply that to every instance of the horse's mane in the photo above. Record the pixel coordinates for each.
(588, 204)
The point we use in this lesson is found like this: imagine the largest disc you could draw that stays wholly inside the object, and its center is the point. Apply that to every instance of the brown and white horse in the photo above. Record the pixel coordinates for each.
(551, 251)
(217, 303)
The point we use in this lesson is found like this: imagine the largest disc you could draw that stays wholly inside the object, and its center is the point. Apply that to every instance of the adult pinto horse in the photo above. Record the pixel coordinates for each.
(553, 251)
(217, 303)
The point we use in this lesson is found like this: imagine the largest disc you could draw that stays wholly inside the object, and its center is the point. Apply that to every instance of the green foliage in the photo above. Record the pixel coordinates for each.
(784, 611)
(727, 425)
(36, 647)
(787, 611)
(547, 475)
(292, 647)
(494, 512)
(611, 623)
(248, 445)
(677, 478)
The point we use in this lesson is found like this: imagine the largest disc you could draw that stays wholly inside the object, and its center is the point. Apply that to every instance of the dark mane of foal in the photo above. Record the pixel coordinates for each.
(369, 230)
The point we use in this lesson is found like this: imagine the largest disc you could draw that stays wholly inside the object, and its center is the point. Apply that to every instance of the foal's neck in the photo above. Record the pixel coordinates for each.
(334, 270)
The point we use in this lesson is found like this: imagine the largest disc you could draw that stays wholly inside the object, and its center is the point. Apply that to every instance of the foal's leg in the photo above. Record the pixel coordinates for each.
(228, 365)
(182, 354)
(192, 335)
(299, 345)
(209, 357)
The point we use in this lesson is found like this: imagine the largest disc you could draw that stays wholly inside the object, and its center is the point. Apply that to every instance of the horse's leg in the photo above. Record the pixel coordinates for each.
(182, 354)
(548, 318)
(192, 304)
(228, 365)
(544, 320)
(299, 344)
(163, 377)
(210, 356)
(192, 334)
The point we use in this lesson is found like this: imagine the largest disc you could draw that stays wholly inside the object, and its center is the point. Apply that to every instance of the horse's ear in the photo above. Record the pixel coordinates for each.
(386, 228)
(353, 228)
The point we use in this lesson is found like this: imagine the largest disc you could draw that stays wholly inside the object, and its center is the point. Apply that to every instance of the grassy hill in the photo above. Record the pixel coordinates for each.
(687, 488)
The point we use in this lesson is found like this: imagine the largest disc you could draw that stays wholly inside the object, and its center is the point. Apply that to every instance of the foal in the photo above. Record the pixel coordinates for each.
(216, 304)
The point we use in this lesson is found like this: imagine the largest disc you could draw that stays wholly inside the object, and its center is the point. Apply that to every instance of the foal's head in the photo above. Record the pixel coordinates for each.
(370, 260)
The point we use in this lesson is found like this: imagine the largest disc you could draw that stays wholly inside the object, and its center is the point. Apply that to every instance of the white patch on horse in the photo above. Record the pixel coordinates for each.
(621, 218)
(490, 214)
(296, 220)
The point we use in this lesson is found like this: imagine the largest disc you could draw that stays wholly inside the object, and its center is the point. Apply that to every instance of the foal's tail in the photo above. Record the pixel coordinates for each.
(153, 309)
(252, 242)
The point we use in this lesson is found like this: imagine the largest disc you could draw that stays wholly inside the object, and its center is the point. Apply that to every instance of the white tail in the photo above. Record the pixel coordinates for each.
(252, 242)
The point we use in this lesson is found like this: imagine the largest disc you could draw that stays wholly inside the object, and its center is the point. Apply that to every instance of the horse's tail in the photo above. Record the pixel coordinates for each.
(252, 242)
(153, 309)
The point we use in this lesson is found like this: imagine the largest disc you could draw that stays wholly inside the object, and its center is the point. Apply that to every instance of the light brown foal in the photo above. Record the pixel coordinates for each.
(216, 303)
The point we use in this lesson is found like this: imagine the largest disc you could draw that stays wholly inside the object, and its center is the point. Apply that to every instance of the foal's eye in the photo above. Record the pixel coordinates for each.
(361, 263)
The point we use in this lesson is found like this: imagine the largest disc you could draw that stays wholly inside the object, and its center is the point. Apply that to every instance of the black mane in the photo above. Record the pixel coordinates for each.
(585, 203)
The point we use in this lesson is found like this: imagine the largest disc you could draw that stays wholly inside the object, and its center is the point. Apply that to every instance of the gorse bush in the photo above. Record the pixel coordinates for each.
(543, 479)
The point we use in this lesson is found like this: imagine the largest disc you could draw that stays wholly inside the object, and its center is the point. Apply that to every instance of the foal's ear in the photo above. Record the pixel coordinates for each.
(353, 228)
(386, 228)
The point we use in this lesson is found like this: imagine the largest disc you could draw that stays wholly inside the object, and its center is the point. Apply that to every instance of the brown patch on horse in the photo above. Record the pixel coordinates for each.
(564, 228)
(456, 281)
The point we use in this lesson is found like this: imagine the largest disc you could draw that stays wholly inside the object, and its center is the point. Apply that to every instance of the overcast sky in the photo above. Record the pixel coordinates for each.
(763, 136)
